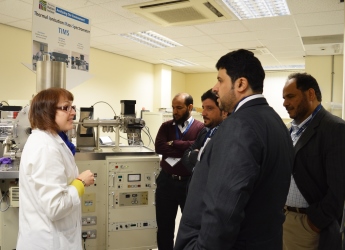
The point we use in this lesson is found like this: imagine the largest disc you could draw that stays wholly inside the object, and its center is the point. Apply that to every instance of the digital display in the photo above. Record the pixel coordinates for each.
(134, 177)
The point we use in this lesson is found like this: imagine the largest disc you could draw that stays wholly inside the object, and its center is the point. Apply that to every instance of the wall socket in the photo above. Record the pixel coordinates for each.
(91, 234)
(88, 220)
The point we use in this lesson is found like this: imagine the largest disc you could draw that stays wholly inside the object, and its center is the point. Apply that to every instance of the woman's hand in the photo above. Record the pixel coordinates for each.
(88, 177)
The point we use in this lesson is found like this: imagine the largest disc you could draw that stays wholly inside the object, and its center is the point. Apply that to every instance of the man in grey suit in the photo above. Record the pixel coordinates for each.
(239, 187)
(316, 196)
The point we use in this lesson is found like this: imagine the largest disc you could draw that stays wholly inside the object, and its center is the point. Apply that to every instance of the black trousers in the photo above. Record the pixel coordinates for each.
(170, 194)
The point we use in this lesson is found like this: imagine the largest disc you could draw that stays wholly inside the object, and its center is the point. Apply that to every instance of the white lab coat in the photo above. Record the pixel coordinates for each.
(49, 207)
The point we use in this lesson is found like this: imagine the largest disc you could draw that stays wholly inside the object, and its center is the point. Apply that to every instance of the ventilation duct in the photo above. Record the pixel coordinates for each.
(180, 12)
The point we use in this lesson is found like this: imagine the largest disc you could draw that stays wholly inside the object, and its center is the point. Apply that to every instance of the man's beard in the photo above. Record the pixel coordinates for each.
(183, 118)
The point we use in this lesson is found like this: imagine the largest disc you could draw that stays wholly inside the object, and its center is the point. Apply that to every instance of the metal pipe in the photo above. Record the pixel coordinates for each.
(50, 74)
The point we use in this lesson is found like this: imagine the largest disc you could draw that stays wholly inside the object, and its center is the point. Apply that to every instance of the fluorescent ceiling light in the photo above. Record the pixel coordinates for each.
(178, 62)
(249, 9)
(151, 39)
(282, 67)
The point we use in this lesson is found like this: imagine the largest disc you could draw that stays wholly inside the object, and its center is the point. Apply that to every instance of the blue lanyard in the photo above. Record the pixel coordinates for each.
(301, 129)
(177, 129)
(210, 133)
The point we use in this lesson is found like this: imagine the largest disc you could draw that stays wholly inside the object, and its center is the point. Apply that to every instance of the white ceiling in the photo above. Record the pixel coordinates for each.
(203, 44)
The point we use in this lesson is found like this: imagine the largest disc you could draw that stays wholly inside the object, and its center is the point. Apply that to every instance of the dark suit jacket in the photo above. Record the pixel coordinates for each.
(240, 185)
(319, 172)
(190, 156)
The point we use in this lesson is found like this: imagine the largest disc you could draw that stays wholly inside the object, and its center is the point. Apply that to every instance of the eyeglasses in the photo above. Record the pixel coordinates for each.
(67, 108)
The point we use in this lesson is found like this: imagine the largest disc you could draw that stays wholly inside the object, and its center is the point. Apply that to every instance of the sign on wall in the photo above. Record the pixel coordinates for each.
(61, 35)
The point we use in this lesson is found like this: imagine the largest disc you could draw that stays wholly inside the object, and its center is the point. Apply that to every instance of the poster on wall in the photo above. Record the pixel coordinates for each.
(61, 35)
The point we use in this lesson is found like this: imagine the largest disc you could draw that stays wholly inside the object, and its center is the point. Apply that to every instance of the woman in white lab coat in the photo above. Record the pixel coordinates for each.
(49, 182)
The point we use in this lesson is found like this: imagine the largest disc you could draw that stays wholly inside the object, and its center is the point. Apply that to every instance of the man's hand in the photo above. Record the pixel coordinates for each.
(312, 226)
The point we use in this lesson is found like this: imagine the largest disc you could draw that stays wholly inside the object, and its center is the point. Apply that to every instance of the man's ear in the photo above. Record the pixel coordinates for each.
(242, 84)
(190, 107)
(311, 94)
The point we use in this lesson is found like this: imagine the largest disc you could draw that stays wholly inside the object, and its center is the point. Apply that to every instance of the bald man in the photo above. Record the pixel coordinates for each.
(173, 138)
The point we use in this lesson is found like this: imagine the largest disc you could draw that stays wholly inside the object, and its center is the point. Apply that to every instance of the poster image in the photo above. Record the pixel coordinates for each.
(60, 35)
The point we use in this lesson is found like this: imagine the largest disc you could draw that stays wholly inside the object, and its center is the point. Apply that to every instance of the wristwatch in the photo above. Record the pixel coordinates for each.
(170, 143)
(82, 181)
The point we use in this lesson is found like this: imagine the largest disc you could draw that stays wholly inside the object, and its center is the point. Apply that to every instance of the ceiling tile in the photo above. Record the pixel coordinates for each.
(180, 31)
(224, 27)
(195, 40)
(208, 47)
(290, 54)
(234, 37)
(6, 19)
(112, 39)
(98, 32)
(16, 9)
(270, 23)
(98, 14)
(321, 18)
(282, 43)
(243, 45)
(268, 59)
(120, 26)
(192, 54)
(117, 7)
(309, 6)
(292, 60)
(277, 34)
(322, 30)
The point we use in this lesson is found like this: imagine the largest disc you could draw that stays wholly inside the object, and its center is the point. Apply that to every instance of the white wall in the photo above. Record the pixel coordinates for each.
(273, 91)
(328, 71)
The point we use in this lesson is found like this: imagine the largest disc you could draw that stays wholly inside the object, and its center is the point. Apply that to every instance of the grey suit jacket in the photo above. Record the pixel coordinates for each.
(319, 172)
(239, 187)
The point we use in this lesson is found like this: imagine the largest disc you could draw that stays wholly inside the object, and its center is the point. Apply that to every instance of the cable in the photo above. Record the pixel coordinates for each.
(84, 236)
(105, 103)
(149, 134)
(148, 130)
(148, 137)
(5, 102)
(5, 195)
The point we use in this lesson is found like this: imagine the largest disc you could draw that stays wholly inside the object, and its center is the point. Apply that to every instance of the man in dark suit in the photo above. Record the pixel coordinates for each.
(316, 196)
(213, 116)
(238, 190)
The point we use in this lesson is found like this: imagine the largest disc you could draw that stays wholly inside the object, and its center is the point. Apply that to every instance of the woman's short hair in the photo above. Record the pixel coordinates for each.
(43, 108)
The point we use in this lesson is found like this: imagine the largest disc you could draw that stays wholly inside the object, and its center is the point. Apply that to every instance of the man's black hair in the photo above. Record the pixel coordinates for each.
(188, 100)
(305, 81)
(243, 63)
(209, 95)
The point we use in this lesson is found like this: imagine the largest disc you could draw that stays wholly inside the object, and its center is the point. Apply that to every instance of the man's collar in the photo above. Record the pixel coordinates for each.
(185, 122)
(246, 99)
(317, 109)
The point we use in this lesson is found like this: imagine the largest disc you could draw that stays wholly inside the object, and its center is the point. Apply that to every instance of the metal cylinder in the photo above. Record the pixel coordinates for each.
(50, 74)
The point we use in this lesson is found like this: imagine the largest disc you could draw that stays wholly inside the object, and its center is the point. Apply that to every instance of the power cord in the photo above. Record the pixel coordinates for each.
(5, 197)
(105, 103)
(84, 236)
